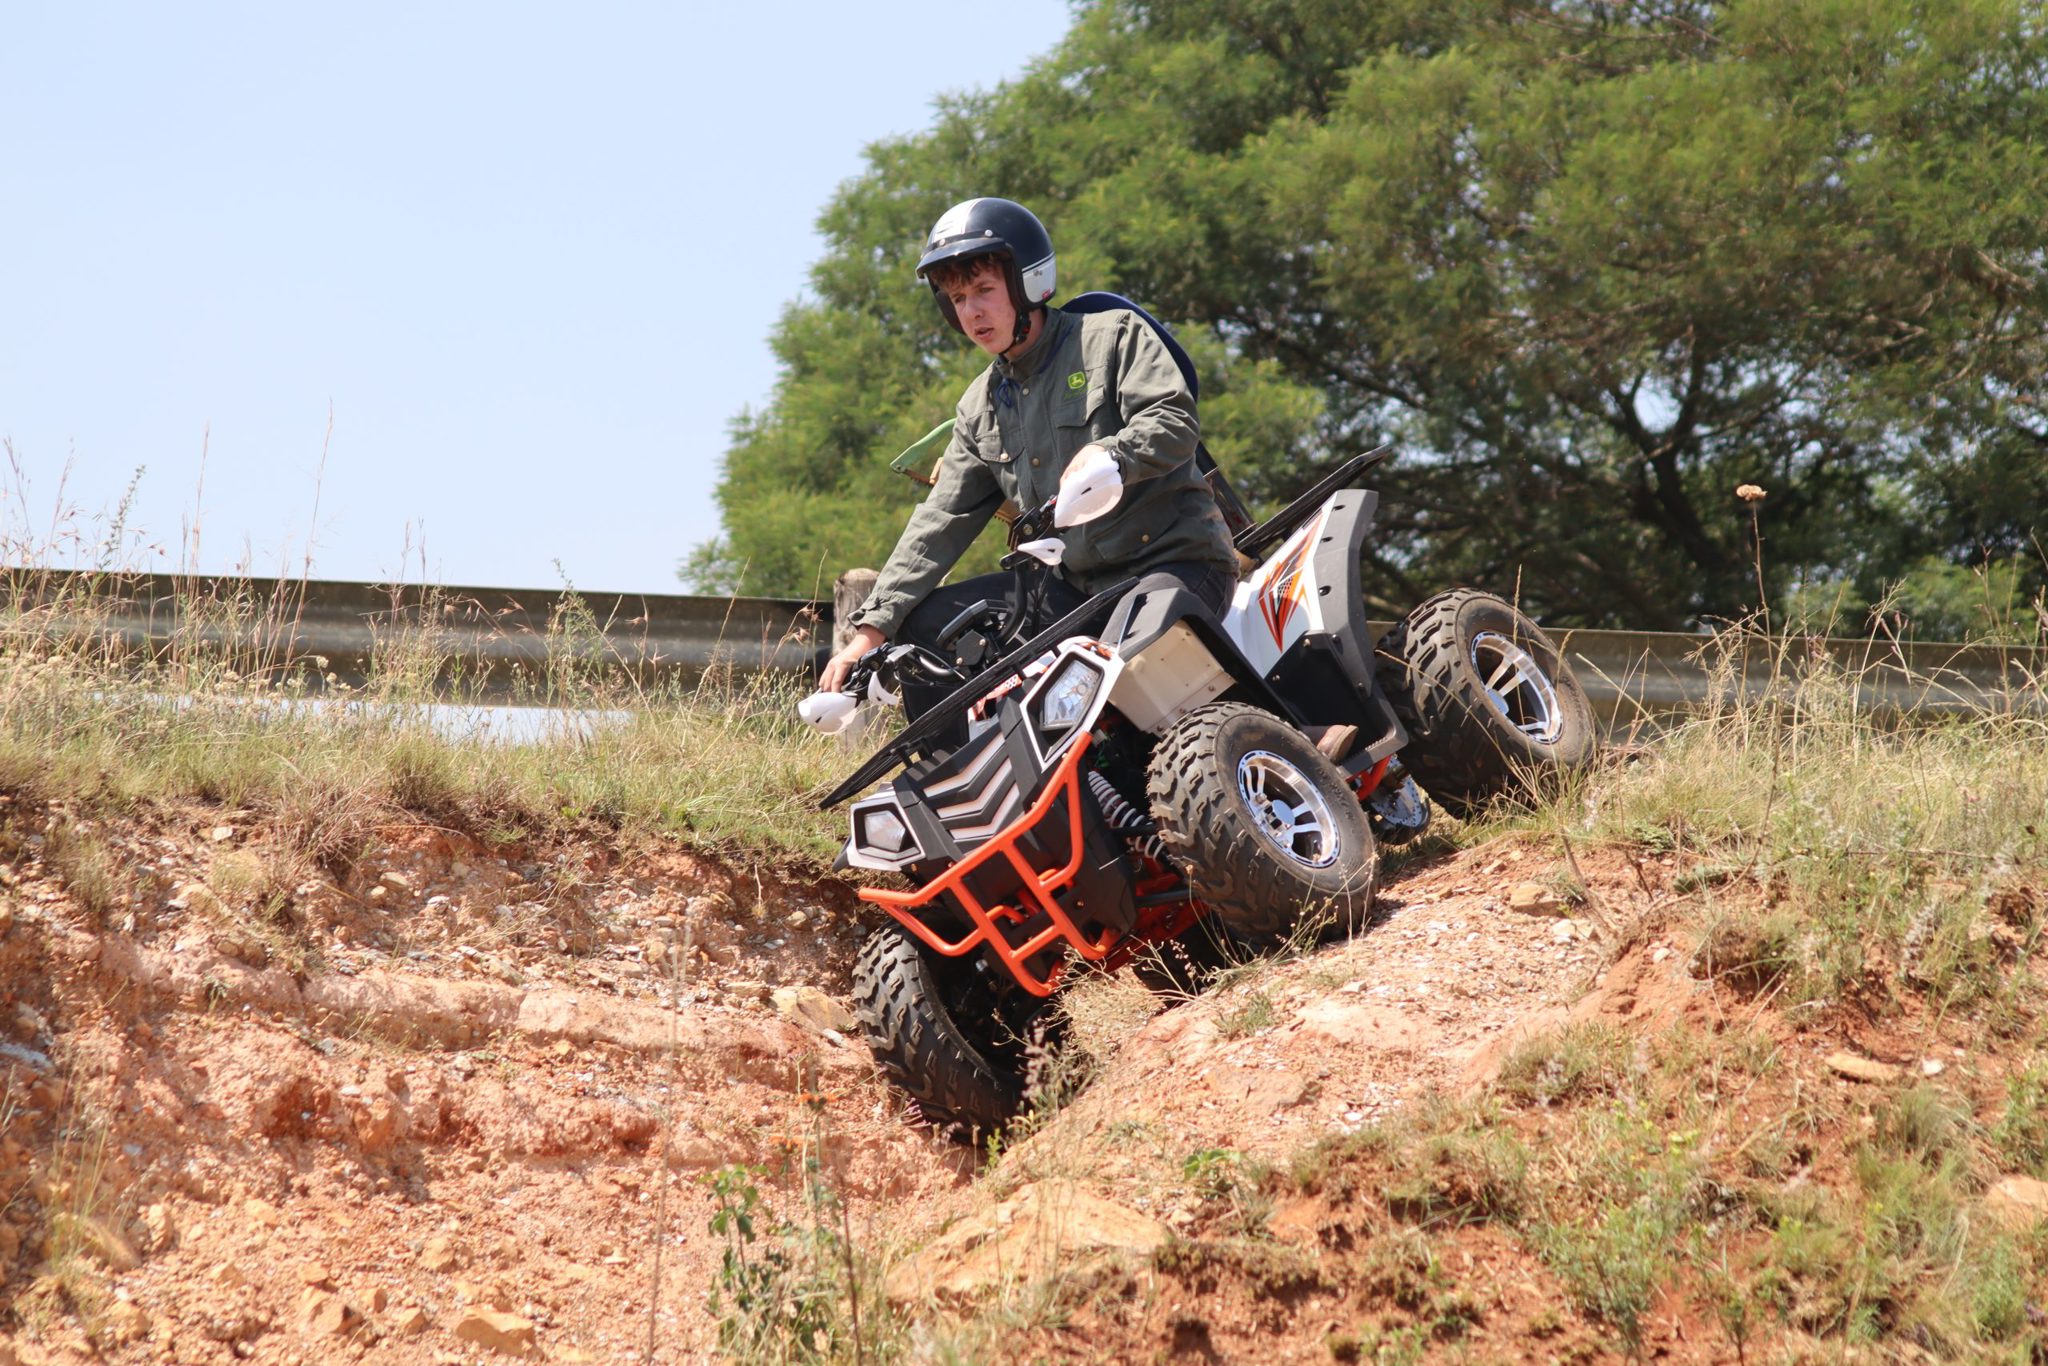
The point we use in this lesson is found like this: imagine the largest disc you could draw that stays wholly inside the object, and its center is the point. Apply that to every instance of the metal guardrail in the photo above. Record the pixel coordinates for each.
(1628, 674)
(492, 636)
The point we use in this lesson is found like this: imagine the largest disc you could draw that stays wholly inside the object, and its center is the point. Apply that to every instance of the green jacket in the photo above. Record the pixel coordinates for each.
(1101, 377)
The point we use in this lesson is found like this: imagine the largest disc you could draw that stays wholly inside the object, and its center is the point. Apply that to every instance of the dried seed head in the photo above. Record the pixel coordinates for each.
(1749, 493)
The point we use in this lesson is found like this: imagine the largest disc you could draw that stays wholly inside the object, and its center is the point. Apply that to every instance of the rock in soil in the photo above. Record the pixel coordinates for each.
(1532, 898)
(2018, 1200)
(1861, 1069)
(496, 1329)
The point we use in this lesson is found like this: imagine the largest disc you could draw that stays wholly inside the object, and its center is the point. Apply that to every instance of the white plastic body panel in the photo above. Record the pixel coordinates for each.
(1175, 674)
(1279, 602)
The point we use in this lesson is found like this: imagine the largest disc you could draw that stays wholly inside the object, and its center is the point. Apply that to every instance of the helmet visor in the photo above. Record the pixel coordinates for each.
(963, 248)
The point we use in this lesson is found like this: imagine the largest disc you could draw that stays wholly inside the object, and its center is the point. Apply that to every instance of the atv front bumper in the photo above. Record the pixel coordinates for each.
(1033, 920)
(1052, 878)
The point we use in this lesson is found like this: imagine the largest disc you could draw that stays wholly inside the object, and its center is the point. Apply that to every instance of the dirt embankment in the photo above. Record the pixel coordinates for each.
(459, 1104)
(446, 1105)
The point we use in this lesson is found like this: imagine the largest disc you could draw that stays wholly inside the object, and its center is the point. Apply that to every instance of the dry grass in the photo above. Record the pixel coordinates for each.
(1891, 850)
(88, 721)
(1105, 1009)
(1825, 852)
(87, 1243)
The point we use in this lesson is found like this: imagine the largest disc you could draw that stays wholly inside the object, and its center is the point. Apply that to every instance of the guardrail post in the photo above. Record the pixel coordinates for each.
(849, 591)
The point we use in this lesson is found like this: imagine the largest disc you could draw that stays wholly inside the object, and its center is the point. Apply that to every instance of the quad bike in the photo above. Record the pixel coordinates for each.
(1139, 772)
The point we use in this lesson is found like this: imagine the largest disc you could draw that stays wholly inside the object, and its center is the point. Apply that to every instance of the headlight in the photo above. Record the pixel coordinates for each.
(881, 838)
(1065, 700)
(885, 832)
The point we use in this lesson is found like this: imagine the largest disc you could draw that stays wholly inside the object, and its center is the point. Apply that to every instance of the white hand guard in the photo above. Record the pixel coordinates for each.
(1090, 487)
(827, 711)
(1046, 551)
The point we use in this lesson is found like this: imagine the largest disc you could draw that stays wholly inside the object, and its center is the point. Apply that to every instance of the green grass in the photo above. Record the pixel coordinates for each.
(1624, 1210)
(1575, 1061)
(1250, 1011)
(1890, 854)
(2020, 1133)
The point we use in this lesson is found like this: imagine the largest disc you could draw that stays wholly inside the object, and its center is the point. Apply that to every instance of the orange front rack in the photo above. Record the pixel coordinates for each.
(1036, 890)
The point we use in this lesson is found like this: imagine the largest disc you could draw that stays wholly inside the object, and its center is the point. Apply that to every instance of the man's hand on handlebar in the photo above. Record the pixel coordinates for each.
(833, 677)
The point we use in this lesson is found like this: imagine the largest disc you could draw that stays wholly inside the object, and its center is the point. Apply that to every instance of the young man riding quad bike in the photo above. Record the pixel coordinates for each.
(1068, 399)
(1110, 746)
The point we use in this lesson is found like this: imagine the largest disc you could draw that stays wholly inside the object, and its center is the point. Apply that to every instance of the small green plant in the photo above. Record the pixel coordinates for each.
(1580, 1059)
(774, 1300)
(2021, 1131)
(1233, 1186)
(795, 1289)
(1206, 1169)
(1466, 1174)
(1611, 1266)
(1249, 1012)
(2001, 1295)
(1735, 1307)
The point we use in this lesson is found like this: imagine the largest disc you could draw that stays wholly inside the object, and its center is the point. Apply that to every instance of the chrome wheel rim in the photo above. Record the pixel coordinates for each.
(1517, 687)
(1286, 809)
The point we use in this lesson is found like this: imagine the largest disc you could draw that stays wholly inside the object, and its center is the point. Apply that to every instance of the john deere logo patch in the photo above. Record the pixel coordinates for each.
(1078, 380)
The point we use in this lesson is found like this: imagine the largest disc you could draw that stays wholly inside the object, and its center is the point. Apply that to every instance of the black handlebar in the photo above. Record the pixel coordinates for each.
(1033, 525)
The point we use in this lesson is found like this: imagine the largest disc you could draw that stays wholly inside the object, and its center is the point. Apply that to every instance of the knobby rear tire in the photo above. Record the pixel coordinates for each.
(1462, 747)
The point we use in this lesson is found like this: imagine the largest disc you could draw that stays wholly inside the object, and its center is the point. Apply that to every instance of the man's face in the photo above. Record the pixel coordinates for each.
(986, 314)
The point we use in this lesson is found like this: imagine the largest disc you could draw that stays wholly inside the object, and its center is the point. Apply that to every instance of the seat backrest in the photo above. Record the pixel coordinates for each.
(1102, 301)
(1235, 515)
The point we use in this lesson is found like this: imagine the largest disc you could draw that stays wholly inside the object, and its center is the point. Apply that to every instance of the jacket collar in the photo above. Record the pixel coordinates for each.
(1032, 359)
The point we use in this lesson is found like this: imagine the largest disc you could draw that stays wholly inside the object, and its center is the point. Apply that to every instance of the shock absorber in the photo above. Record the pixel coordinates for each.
(1137, 829)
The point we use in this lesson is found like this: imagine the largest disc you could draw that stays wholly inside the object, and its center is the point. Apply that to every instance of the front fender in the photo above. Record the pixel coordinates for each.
(1176, 658)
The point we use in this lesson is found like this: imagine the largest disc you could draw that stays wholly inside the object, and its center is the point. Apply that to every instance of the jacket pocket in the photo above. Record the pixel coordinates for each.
(1086, 415)
(1071, 409)
(988, 445)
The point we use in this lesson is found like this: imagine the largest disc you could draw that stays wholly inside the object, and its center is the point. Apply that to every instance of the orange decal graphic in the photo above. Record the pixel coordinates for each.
(1286, 588)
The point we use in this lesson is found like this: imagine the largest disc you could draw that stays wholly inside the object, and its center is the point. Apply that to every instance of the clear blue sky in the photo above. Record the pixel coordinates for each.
(531, 254)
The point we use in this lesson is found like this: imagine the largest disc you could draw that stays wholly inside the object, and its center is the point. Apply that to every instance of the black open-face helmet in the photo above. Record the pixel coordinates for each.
(1001, 228)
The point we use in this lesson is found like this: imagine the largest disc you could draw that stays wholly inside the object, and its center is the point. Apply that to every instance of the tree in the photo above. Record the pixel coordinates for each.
(1589, 265)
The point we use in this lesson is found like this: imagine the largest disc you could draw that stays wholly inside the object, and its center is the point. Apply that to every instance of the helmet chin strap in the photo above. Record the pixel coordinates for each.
(1015, 273)
(1023, 332)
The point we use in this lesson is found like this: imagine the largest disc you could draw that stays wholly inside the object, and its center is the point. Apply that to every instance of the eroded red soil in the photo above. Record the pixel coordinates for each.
(461, 1102)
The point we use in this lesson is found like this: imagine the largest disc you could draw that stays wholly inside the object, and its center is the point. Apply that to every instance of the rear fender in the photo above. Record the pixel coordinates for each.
(1299, 619)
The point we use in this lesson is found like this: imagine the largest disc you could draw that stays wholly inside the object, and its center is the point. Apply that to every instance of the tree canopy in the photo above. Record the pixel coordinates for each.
(1589, 266)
